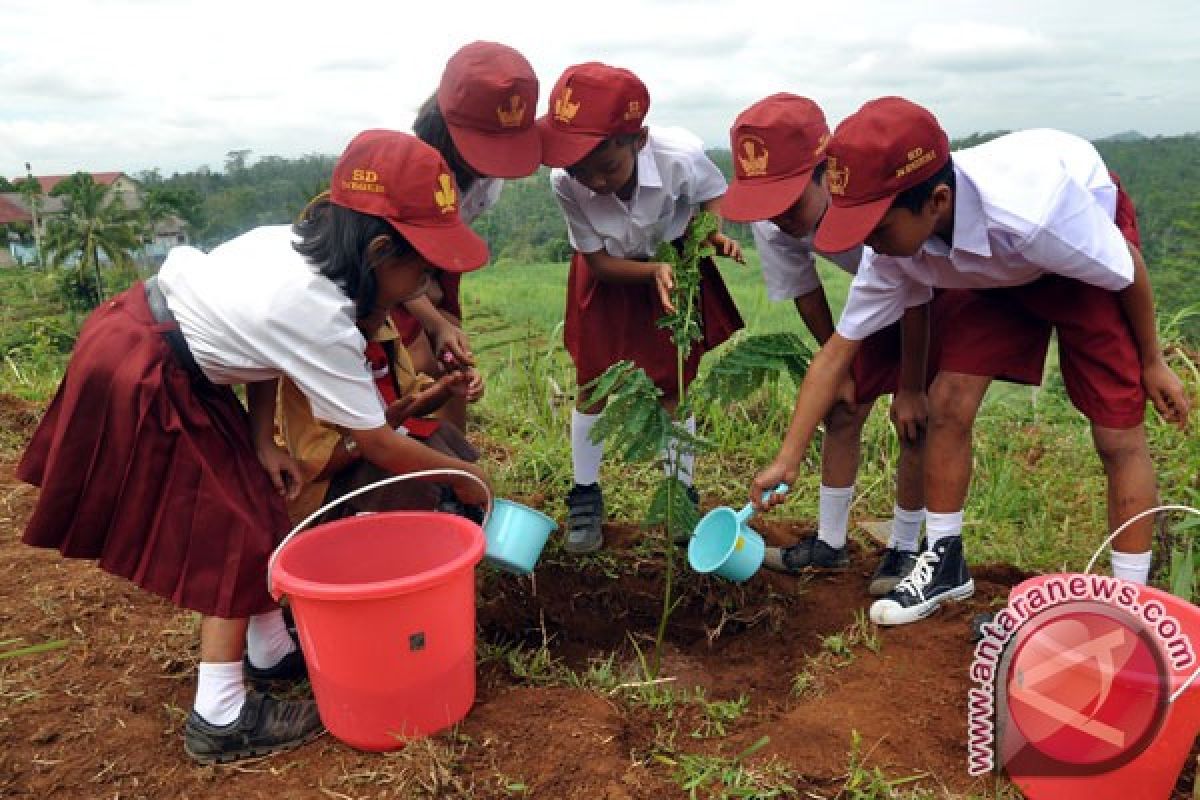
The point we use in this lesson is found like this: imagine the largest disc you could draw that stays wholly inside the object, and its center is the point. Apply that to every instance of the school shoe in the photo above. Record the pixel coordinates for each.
(893, 568)
(290, 668)
(806, 554)
(585, 518)
(938, 575)
(265, 725)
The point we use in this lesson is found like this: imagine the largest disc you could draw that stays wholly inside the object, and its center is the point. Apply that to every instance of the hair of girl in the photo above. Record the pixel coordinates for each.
(430, 128)
(336, 240)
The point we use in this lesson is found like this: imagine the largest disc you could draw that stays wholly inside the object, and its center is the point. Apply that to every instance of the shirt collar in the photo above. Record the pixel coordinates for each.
(970, 222)
(647, 167)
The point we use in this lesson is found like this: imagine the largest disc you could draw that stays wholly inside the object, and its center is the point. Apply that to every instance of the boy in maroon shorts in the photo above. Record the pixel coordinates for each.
(778, 185)
(1029, 218)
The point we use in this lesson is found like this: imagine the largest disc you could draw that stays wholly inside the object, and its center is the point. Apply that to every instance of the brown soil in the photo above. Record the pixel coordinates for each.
(102, 716)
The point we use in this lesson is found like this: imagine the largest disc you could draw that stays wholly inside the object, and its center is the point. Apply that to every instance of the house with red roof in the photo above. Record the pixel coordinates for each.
(14, 208)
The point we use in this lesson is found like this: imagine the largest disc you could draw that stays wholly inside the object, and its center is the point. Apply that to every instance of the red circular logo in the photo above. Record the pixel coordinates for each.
(1087, 687)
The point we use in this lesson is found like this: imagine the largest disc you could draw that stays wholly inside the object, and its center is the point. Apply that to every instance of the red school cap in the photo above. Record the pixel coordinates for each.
(887, 146)
(488, 97)
(398, 177)
(776, 143)
(590, 103)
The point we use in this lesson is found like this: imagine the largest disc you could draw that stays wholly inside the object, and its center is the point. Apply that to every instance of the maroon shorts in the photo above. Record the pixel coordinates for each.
(876, 368)
(610, 322)
(1004, 333)
(409, 327)
(152, 471)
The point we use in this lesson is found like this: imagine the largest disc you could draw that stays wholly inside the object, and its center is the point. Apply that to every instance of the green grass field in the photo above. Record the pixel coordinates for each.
(1037, 496)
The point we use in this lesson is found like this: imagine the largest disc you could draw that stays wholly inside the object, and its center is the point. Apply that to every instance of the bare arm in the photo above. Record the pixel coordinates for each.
(611, 269)
(397, 454)
(814, 310)
(818, 392)
(284, 471)
(910, 408)
(1162, 384)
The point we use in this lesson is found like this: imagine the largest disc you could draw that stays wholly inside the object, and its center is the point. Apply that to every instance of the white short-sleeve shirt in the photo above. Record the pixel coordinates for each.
(1025, 204)
(789, 264)
(254, 309)
(483, 194)
(674, 177)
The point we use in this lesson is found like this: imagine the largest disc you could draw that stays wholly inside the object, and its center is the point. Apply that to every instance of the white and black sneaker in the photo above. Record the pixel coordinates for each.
(939, 574)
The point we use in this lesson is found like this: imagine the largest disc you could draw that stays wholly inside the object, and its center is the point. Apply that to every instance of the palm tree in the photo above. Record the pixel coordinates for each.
(94, 223)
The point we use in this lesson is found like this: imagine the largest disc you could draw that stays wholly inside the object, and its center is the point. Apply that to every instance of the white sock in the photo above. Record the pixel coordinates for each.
(267, 639)
(220, 692)
(833, 514)
(906, 529)
(585, 456)
(1134, 567)
(940, 526)
(687, 461)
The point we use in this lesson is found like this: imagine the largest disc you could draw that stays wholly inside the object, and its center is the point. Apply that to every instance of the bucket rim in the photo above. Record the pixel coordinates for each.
(284, 582)
(500, 502)
(714, 563)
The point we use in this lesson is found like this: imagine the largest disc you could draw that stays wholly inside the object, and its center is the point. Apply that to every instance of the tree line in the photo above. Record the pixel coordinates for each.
(1162, 174)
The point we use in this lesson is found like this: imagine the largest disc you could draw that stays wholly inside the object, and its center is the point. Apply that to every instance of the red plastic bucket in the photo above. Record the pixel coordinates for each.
(385, 609)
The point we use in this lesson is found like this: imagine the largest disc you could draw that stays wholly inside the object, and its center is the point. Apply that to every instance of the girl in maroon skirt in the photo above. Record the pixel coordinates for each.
(148, 463)
(625, 189)
(481, 120)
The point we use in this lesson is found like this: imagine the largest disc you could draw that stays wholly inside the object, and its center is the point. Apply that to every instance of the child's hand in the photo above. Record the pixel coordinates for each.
(727, 247)
(453, 348)
(762, 489)
(910, 413)
(283, 470)
(467, 490)
(474, 385)
(664, 281)
(1166, 392)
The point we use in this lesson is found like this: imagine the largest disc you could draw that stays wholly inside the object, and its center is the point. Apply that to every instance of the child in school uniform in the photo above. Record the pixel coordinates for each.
(333, 465)
(1028, 221)
(778, 147)
(624, 189)
(148, 462)
(481, 120)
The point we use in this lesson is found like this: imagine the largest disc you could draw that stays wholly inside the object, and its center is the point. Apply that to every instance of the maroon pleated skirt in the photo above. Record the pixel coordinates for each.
(151, 471)
(610, 322)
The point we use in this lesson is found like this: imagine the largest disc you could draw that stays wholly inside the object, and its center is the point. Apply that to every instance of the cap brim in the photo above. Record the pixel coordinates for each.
(561, 149)
(846, 227)
(751, 201)
(512, 154)
(454, 247)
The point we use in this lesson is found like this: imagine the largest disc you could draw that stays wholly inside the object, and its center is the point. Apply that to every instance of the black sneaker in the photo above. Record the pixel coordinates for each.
(806, 554)
(585, 516)
(266, 725)
(893, 568)
(938, 575)
(290, 668)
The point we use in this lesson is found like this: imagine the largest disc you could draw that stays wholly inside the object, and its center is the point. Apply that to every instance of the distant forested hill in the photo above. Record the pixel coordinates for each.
(1162, 174)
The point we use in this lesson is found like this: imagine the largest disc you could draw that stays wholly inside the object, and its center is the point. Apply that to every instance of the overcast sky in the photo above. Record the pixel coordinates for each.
(127, 85)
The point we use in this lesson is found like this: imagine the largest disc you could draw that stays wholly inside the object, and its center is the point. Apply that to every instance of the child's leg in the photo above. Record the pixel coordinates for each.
(1132, 489)
(909, 510)
(221, 690)
(840, 452)
(586, 456)
(954, 400)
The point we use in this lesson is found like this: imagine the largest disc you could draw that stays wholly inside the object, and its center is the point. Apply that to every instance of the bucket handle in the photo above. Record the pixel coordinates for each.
(748, 509)
(1095, 556)
(363, 490)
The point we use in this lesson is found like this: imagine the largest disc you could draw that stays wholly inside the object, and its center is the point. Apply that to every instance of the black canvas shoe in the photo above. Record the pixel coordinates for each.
(266, 725)
(585, 517)
(893, 568)
(806, 554)
(938, 575)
